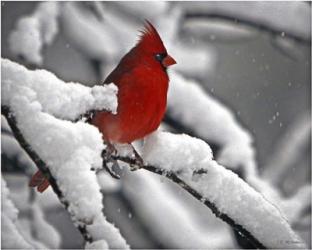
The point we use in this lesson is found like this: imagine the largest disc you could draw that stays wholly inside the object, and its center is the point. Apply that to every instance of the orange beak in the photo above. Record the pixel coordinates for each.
(167, 61)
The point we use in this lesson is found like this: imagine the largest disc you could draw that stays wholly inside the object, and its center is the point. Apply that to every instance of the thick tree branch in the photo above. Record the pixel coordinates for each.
(173, 177)
(42, 166)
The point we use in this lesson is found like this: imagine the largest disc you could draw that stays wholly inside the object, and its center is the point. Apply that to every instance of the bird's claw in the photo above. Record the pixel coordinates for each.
(111, 171)
(139, 163)
(134, 167)
(107, 158)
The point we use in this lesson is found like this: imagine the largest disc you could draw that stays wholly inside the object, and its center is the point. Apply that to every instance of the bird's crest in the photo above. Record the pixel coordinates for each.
(150, 39)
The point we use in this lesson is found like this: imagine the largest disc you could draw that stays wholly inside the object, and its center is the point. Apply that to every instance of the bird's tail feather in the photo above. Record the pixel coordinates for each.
(40, 181)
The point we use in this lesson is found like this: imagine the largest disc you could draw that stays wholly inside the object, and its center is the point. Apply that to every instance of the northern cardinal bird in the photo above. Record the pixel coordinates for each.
(142, 80)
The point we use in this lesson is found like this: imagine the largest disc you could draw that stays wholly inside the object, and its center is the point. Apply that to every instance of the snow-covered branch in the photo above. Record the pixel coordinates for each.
(46, 116)
(289, 149)
(108, 24)
(35, 31)
(288, 18)
(63, 100)
(187, 103)
(167, 209)
(185, 160)
(90, 35)
(12, 152)
(60, 148)
(11, 236)
(188, 162)
(207, 118)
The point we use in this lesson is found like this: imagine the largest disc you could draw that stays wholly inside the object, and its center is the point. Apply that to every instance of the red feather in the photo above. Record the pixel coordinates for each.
(150, 40)
(38, 180)
(143, 83)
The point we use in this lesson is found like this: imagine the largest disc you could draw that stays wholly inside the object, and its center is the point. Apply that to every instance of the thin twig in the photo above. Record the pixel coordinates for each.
(42, 166)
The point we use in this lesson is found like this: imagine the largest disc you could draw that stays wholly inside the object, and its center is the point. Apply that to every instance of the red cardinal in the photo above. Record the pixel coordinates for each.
(142, 80)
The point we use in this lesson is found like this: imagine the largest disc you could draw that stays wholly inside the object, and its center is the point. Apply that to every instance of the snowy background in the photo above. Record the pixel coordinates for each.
(242, 84)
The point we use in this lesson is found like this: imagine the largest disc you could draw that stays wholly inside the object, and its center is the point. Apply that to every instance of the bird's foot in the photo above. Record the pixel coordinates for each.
(139, 163)
(110, 166)
(109, 162)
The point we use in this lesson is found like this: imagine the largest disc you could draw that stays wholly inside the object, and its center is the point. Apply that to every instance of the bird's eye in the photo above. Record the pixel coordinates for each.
(160, 56)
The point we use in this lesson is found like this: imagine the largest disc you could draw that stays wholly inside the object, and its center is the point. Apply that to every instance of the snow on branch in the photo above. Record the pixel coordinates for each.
(88, 30)
(64, 151)
(288, 18)
(62, 100)
(35, 31)
(60, 148)
(289, 149)
(11, 149)
(43, 231)
(188, 162)
(167, 210)
(212, 121)
(11, 237)
(90, 35)
(188, 102)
